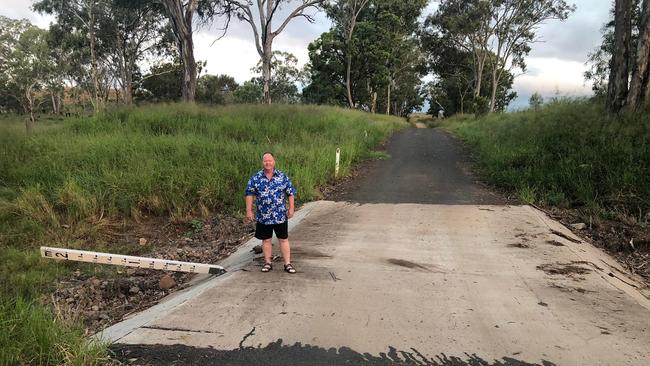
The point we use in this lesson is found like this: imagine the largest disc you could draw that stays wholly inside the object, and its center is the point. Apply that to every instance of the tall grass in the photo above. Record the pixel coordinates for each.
(31, 335)
(71, 181)
(569, 153)
(173, 160)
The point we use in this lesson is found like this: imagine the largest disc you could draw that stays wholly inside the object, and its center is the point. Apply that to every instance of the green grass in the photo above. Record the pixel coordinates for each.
(568, 154)
(174, 160)
(31, 335)
(73, 181)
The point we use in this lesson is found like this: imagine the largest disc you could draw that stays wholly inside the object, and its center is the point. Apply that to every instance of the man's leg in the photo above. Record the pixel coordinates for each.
(267, 249)
(285, 249)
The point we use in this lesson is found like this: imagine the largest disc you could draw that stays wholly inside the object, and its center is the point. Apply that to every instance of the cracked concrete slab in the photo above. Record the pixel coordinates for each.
(432, 278)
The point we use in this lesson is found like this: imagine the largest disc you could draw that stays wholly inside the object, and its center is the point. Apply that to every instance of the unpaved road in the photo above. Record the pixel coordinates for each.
(419, 266)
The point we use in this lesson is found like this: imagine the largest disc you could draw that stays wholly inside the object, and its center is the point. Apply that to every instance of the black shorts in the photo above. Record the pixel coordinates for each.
(264, 232)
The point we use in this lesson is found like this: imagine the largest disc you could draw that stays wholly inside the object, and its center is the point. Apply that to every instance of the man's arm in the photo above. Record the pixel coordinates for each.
(249, 208)
(290, 213)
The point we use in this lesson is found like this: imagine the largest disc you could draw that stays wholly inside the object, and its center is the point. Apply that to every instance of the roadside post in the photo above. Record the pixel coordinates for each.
(338, 159)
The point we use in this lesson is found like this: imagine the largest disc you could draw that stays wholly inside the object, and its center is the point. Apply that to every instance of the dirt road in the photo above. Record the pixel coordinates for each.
(419, 266)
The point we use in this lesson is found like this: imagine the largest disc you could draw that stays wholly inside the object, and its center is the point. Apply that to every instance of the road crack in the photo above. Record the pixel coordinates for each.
(173, 329)
(241, 343)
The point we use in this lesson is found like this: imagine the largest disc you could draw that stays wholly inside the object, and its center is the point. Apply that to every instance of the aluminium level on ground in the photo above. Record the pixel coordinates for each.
(129, 261)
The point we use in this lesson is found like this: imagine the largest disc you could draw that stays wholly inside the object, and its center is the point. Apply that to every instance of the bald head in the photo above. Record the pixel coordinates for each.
(268, 162)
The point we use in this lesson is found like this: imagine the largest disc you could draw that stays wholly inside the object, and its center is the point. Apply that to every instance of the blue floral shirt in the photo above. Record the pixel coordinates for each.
(270, 196)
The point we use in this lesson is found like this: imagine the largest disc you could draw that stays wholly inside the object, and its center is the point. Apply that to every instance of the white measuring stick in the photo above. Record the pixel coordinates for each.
(129, 261)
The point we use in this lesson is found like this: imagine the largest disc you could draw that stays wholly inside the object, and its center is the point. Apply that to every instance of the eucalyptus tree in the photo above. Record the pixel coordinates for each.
(345, 14)
(183, 14)
(25, 63)
(261, 15)
(514, 24)
(377, 66)
(283, 85)
(499, 32)
(620, 66)
(326, 72)
(465, 25)
(453, 82)
(397, 22)
(285, 77)
(131, 30)
(81, 15)
(639, 90)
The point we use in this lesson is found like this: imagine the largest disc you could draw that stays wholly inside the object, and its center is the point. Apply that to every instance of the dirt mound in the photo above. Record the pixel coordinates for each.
(103, 295)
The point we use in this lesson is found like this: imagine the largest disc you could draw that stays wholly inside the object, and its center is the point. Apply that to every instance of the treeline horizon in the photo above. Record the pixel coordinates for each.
(374, 57)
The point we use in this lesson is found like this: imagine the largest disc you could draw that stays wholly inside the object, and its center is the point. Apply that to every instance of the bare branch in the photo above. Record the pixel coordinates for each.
(297, 12)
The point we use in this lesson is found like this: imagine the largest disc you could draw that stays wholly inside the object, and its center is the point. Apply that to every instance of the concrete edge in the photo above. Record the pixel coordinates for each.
(613, 273)
(235, 262)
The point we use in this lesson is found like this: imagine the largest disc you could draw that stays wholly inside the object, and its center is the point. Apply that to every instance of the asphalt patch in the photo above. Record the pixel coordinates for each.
(425, 167)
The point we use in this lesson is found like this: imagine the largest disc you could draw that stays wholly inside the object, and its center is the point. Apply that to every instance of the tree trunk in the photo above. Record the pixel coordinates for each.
(29, 110)
(640, 82)
(126, 71)
(127, 90)
(347, 79)
(97, 101)
(619, 73)
(495, 86)
(479, 77)
(266, 71)
(182, 25)
(59, 103)
(496, 80)
(189, 68)
(373, 104)
(388, 98)
(462, 102)
(54, 111)
(354, 13)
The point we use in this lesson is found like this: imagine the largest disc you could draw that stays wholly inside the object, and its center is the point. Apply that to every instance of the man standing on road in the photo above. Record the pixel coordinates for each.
(270, 187)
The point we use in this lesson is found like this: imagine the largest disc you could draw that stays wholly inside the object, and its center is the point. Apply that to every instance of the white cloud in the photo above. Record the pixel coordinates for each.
(574, 38)
(554, 74)
(552, 77)
(231, 56)
(236, 56)
(21, 9)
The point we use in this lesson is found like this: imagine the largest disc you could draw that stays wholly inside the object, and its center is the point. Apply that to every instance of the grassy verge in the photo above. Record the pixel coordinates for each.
(73, 181)
(567, 154)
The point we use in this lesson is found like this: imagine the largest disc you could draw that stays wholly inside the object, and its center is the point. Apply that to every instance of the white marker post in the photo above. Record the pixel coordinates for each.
(338, 159)
(129, 261)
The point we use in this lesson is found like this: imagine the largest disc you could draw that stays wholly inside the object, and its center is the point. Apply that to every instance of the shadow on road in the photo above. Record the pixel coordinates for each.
(277, 353)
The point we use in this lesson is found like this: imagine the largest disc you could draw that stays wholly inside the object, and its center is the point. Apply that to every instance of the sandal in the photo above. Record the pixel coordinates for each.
(267, 267)
(289, 268)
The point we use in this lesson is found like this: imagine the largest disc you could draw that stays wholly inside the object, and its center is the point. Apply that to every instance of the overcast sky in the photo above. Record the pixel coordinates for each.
(555, 64)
